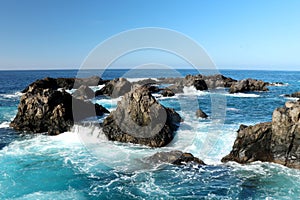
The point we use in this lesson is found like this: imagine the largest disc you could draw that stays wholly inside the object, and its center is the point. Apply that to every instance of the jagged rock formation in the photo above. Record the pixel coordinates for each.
(84, 93)
(42, 109)
(173, 157)
(247, 85)
(140, 119)
(65, 83)
(277, 141)
(115, 88)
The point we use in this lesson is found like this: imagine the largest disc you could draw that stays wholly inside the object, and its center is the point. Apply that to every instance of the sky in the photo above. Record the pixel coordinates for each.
(60, 34)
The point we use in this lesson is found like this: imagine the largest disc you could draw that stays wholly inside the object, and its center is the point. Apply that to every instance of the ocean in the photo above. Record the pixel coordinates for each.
(65, 167)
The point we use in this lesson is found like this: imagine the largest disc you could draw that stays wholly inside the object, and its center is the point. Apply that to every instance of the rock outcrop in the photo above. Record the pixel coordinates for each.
(201, 114)
(294, 95)
(247, 85)
(173, 157)
(277, 141)
(140, 119)
(42, 109)
(65, 83)
(115, 88)
(84, 93)
(167, 92)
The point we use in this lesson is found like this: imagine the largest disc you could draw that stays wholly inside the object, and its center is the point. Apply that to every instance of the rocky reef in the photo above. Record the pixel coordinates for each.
(140, 119)
(247, 85)
(277, 141)
(44, 109)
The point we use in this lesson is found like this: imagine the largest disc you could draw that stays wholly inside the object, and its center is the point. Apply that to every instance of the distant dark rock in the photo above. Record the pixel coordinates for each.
(294, 95)
(277, 141)
(84, 93)
(147, 81)
(173, 157)
(247, 85)
(277, 84)
(140, 119)
(218, 80)
(167, 92)
(115, 88)
(150, 88)
(201, 114)
(176, 88)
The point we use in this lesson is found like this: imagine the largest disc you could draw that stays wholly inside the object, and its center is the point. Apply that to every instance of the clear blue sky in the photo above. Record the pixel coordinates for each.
(41, 34)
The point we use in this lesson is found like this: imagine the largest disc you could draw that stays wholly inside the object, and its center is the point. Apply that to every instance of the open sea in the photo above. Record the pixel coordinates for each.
(66, 167)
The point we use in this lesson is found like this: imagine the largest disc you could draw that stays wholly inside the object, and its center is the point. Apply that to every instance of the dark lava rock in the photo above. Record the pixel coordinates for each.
(252, 144)
(201, 114)
(173, 157)
(277, 141)
(247, 85)
(65, 83)
(84, 93)
(115, 88)
(147, 81)
(167, 92)
(140, 119)
(51, 111)
(218, 80)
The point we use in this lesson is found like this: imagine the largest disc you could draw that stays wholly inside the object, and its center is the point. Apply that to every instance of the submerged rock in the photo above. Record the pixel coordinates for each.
(277, 141)
(140, 119)
(115, 88)
(247, 85)
(173, 157)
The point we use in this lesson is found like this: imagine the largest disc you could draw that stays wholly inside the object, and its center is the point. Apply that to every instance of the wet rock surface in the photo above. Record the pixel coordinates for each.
(44, 109)
(140, 119)
(277, 141)
(173, 157)
(115, 88)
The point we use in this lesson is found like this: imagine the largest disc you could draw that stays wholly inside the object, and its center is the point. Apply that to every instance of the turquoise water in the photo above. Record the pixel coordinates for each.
(66, 167)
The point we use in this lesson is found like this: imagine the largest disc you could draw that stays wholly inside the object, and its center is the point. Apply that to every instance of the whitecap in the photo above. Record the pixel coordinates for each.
(98, 87)
(292, 98)
(279, 84)
(11, 96)
(232, 109)
(191, 90)
(243, 95)
(140, 79)
(4, 125)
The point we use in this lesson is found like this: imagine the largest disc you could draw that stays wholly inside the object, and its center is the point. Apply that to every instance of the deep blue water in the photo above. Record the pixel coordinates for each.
(66, 167)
